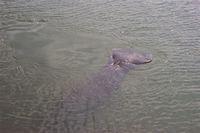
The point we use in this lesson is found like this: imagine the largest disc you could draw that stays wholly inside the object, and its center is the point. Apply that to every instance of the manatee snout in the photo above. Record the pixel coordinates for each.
(143, 58)
(130, 56)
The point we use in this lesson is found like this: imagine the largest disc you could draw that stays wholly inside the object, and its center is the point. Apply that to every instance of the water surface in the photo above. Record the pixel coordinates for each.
(48, 47)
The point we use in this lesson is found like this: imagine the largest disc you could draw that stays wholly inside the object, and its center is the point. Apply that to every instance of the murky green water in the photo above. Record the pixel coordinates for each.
(48, 46)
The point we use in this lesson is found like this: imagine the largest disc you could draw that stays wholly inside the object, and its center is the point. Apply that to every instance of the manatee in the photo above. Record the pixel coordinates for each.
(96, 89)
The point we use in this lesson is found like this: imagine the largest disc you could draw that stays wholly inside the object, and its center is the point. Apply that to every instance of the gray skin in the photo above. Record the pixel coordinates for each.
(101, 84)
(94, 92)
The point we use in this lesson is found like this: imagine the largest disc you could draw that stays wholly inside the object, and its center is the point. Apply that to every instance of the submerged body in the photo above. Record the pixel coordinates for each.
(96, 89)
(101, 84)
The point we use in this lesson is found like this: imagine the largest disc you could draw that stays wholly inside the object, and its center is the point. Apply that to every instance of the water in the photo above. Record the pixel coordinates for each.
(49, 46)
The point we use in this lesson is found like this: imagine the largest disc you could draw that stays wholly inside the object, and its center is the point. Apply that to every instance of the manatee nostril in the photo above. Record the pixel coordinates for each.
(148, 57)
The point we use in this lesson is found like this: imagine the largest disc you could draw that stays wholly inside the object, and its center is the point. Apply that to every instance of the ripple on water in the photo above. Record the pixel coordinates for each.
(159, 97)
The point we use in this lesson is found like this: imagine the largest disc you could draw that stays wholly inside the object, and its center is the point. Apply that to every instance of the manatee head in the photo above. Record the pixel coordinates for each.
(129, 57)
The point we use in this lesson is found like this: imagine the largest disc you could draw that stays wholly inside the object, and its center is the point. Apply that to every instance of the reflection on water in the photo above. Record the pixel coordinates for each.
(47, 48)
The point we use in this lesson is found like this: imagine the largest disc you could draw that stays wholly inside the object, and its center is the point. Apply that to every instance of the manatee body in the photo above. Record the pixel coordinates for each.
(96, 89)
